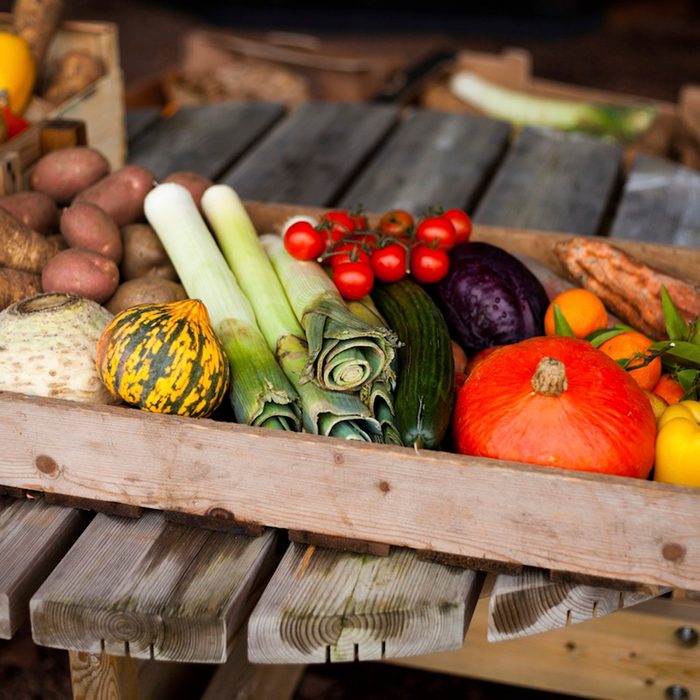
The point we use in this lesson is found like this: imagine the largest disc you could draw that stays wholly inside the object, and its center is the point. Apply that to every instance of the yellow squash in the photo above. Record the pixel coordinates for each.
(678, 445)
(17, 72)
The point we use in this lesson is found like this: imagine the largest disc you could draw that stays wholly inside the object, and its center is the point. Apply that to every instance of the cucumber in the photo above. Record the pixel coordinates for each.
(425, 385)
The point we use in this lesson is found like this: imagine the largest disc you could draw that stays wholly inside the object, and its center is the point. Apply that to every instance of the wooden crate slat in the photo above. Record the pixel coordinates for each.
(553, 181)
(660, 202)
(204, 139)
(319, 607)
(530, 603)
(33, 538)
(433, 158)
(312, 154)
(148, 588)
(549, 518)
(138, 120)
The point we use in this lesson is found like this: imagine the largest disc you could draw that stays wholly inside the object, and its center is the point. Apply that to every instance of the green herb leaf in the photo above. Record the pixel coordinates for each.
(676, 327)
(687, 378)
(681, 352)
(561, 325)
(597, 338)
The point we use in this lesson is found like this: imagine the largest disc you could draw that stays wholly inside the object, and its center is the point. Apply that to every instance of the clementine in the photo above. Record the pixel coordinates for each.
(582, 309)
(633, 346)
(669, 389)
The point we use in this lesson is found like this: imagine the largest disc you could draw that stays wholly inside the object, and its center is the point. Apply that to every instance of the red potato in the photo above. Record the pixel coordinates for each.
(194, 183)
(63, 173)
(82, 272)
(86, 226)
(145, 290)
(34, 209)
(121, 194)
(144, 255)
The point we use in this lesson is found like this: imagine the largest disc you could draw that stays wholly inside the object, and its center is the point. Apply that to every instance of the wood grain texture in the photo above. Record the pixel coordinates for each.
(138, 120)
(583, 523)
(553, 181)
(204, 139)
(312, 154)
(530, 602)
(33, 538)
(320, 606)
(632, 655)
(239, 679)
(433, 158)
(151, 589)
(103, 677)
(660, 202)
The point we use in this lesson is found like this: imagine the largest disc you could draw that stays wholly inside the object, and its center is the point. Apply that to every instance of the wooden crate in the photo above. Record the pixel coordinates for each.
(675, 133)
(100, 105)
(478, 511)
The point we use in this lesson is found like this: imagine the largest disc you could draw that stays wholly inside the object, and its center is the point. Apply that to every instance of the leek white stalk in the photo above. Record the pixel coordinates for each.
(345, 352)
(323, 412)
(260, 393)
(619, 121)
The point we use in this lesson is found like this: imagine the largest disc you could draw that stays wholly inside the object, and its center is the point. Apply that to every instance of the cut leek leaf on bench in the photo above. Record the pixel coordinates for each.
(622, 122)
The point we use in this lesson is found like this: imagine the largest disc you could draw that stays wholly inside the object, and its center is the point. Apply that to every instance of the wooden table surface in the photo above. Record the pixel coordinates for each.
(151, 589)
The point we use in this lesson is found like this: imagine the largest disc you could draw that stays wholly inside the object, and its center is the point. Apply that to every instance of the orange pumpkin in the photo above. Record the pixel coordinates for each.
(558, 402)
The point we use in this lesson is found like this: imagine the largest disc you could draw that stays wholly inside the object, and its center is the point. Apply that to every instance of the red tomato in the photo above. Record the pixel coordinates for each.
(462, 224)
(337, 224)
(303, 241)
(389, 262)
(437, 230)
(429, 265)
(347, 252)
(15, 124)
(397, 222)
(354, 280)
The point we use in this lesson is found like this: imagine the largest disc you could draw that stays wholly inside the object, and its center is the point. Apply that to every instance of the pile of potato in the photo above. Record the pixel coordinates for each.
(80, 229)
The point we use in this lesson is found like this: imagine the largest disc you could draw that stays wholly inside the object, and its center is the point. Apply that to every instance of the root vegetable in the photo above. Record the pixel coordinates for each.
(81, 272)
(121, 194)
(86, 226)
(146, 290)
(36, 21)
(628, 287)
(74, 71)
(59, 332)
(63, 173)
(16, 285)
(144, 255)
(34, 209)
(21, 248)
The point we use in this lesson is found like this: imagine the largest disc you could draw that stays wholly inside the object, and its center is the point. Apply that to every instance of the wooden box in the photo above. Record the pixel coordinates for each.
(100, 105)
(674, 134)
(470, 511)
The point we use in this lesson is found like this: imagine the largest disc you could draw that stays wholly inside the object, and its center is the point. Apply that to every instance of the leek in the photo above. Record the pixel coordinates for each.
(379, 395)
(323, 412)
(260, 392)
(345, 352)
(619, 121)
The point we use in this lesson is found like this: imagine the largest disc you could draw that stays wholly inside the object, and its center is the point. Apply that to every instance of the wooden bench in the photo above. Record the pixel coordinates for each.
(334, 155)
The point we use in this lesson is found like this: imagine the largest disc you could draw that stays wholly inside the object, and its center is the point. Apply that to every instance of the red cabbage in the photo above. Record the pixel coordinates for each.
(490, 298)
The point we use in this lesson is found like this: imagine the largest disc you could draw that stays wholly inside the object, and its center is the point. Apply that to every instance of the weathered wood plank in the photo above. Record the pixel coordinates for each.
(660, 202)
(530, 602)
(313, 153)
(151, 589)
(633, 654)
(103, 677)
(239, 679)
(553, 181)
(204, 139)
(320, 606)
(138, 120)
(612, 527)
(33, 538)
(433, 158)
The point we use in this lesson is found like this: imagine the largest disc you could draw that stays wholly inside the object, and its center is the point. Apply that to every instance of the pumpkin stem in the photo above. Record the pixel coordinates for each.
(549, 378)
